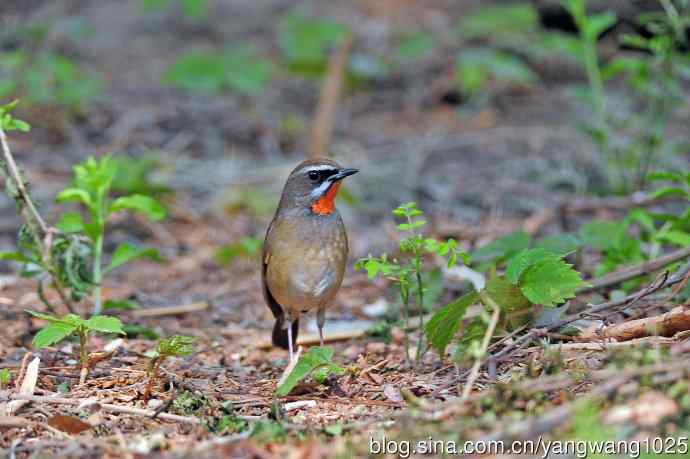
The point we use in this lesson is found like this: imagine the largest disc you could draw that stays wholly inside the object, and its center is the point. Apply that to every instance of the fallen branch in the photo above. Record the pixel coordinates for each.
(310, 339)
(105, 406)
(668, 324)
(631, 272)
(328, 101)
(170, 310)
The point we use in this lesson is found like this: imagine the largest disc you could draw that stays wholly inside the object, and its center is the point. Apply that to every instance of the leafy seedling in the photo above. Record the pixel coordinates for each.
(91, 188)
(317, 362)
(410, 276)
(174, 346)
(60, 328)
(5, 377)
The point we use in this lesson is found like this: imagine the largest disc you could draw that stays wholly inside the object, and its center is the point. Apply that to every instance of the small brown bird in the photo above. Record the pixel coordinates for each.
(305, 249)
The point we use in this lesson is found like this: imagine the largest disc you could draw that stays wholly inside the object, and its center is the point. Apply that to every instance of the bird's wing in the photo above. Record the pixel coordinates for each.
(276, 309)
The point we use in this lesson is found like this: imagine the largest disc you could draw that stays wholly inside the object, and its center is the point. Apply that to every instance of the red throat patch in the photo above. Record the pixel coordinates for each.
(326, 203)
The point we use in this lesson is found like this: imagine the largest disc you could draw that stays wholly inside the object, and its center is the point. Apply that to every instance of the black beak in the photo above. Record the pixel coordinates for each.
(342, 173)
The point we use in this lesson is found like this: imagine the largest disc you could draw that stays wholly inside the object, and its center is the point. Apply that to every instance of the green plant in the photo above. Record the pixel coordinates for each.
(47, 78)
(173, 346)
(415, 45)
(191, 8)
(59, 328)
(409, 276)
(5, 377)
(317, 362)
(475, 66)
(247, 247)
(532, 276)
(135, 175)
(239, 69)
(630, 145)
(91, 188)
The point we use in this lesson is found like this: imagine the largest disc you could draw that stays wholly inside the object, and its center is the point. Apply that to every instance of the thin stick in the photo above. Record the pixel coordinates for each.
(107, 407)
(16, 177)
(474, 373)
(171, 310)
(328, 101)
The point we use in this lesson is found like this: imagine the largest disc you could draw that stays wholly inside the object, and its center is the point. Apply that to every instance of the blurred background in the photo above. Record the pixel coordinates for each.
(485, 113)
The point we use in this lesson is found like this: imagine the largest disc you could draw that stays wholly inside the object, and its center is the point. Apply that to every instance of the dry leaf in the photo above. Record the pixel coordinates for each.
(68, 424)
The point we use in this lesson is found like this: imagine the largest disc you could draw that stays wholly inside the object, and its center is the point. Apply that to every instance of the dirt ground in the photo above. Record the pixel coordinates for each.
(478, 173)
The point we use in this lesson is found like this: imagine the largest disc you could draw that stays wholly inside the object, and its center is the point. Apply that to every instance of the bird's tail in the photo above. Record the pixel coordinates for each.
(280, 333)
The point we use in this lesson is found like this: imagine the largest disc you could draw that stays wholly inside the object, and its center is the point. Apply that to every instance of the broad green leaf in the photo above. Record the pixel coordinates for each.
(680, 238)
(550, 282)
(14, 256)
(105, 324)
(305, 40)
(40, 315)
(70, 222)
(476, 66)
(502, 248)
(315, 358)
(668, 191)
(598, 24)
(506, 295)
(74, 194)
(139, 203)
(127, 252)
(52, 333)
(445, 322)
(560, 244)
(124, 305)
(523, 260)
(602, 234)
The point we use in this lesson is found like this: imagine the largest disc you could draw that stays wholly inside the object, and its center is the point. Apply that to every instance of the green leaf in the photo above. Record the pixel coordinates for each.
(105, 324)
(124, 305)
(560, 244)
(680, 238)
(415, 45)
(127, 252)
(668, 191)
(550, 281)
(502, 248)
(139, 203)
(669, 176)
(476, 66)
(316, 357)
(445, 322)
(598, 24)
(305, 40)
(602, 234)
(40, 315)
(508, 296)
(5, 377)
(505, 19)
(70, 222)
(74, 194)
(14, 256)
(177, 346)
(52, 333)
(523, 260)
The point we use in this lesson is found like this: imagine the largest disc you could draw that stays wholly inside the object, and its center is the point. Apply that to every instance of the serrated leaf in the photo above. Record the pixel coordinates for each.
(127, 252)
(105, 324)
(503, 247)
(550, 282)
(316, 357)
(139, 203)
(523, 260)
(53, 333)
(508, 296)
(70, 222)
(445, 322)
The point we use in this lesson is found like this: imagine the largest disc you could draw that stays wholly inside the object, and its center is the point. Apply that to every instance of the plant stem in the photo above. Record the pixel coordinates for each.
(420, 298)
(405, 299)
(83, 352)
(97, 275)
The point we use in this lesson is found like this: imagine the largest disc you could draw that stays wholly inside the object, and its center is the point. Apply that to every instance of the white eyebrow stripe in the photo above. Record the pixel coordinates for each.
(324, 167)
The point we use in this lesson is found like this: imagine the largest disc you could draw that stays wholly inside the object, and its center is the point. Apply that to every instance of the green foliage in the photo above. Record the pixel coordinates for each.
(268, 432)
(304, 41)
(9, 122)
(134, 175)
(91, 188)
(192, 8)
(501, 249)
(239, 69)
(532, 276)
(317, 361)
(630, 144)
(475, 67)
(5, 378)
(415, 45)
(505, 19)
(47, 78)
(410, 275)
(59, 328)
(175, 346)
(247, 247)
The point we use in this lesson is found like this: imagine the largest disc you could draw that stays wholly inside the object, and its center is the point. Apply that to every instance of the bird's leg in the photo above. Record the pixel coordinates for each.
(289, 331)
(320, 322)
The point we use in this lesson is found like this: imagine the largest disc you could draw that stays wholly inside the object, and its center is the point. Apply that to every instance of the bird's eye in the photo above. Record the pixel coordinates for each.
(314, 175)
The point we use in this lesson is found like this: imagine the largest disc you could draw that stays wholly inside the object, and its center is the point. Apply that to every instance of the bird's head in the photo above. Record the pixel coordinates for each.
(313, 185)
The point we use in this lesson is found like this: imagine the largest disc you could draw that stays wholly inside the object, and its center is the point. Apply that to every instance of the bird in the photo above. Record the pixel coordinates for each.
(305, 249)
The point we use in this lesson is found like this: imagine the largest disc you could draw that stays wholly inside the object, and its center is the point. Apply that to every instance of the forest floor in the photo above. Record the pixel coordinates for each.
(517, 162)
